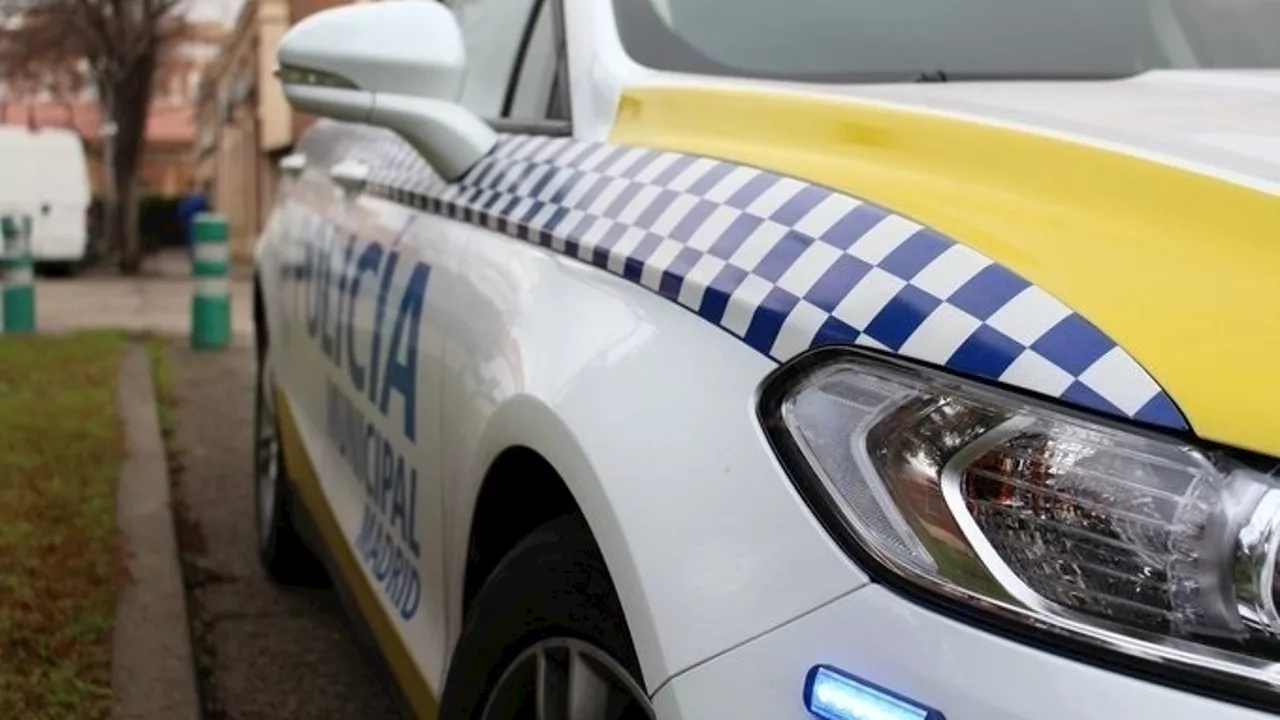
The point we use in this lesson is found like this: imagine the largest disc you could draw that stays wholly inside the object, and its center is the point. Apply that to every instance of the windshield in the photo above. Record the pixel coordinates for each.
(924, 40)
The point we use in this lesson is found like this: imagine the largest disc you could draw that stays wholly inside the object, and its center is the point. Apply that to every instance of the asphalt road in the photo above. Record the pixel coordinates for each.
(262, 651)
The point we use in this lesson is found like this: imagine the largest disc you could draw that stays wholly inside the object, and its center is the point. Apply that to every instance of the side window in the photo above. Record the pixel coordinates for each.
(538, 91)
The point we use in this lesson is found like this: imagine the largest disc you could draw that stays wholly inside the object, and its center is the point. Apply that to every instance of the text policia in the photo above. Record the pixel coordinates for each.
(341, 279)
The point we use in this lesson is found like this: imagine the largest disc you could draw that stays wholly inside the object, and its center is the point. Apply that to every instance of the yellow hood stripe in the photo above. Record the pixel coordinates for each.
(1178, 267)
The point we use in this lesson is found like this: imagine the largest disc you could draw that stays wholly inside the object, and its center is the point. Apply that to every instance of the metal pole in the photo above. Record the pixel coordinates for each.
(18, 265)
(211, 303)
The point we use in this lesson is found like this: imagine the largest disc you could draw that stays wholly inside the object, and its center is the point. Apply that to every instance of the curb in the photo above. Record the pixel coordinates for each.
(152, 664)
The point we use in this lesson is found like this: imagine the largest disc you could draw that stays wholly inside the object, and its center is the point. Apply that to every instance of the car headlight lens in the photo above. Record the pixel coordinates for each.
(1126, 539)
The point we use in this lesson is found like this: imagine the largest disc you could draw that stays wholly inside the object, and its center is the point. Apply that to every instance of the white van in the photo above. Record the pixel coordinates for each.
(48, 177)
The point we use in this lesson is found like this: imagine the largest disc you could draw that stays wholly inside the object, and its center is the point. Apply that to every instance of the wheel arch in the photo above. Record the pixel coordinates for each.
(647, 415)
(518, 478)
(530, 460)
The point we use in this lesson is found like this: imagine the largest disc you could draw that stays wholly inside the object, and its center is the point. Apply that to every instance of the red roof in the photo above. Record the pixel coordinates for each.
(167, 124)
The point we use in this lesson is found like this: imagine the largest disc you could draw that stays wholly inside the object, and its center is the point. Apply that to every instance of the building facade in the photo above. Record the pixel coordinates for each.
(244, 125)
(166, 167)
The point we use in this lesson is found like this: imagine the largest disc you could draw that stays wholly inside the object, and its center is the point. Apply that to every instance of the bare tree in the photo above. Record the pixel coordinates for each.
(122, 42)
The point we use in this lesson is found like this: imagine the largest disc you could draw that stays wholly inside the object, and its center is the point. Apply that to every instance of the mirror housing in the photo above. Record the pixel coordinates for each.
(398, 65)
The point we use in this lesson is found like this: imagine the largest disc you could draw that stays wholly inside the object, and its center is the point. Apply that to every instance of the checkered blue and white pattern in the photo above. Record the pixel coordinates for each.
(780, 263)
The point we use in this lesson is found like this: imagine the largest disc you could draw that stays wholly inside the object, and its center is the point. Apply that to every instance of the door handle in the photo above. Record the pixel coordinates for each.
(350, 175)
(293, 164)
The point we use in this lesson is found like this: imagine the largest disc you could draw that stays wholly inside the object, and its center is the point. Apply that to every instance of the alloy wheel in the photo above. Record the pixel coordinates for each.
(566, 679)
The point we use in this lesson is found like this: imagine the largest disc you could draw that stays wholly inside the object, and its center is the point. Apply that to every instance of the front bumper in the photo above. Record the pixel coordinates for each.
(963, 672)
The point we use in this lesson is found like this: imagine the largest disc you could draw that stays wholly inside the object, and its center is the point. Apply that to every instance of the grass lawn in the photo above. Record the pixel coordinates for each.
(61, 447)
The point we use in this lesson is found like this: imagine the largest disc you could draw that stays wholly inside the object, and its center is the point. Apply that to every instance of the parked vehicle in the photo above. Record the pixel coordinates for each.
(695, 359)
(48, 178)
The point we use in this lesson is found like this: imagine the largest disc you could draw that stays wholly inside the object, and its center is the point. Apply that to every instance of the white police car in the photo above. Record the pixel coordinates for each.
(701, 359)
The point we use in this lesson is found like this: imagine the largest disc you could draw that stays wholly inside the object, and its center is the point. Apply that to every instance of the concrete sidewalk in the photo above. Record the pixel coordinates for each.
(152, 667)
(157, 301)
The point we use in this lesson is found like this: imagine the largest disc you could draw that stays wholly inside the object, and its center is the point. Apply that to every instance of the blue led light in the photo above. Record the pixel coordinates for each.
(834, 695)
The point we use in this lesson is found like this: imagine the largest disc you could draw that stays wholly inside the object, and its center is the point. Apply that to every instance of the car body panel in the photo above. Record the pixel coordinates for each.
(520, 333)
(960, 671)
(627, 403)
(563, 313)
(1220, 123)
(427, 266)
(287, 276)
(527, 337)
(525, 347)
(1126, 199)
(785, 265)
(1173, 264)
(356, 341)
(304, 477)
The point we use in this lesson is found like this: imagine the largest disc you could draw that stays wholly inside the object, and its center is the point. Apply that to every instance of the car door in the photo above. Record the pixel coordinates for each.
(527, 94)
(380, 312)
(360, 367)
(298, 230)
(409, 332)
(396, 269)
(423, 281)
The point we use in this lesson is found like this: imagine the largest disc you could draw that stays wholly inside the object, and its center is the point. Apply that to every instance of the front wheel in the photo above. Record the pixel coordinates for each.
(545, 638)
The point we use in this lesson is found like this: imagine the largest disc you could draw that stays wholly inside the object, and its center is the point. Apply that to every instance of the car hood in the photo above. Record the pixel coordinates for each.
(1221, 123)
(1149, 205)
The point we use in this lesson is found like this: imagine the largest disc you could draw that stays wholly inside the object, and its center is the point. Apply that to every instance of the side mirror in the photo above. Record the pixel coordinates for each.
(399, 65)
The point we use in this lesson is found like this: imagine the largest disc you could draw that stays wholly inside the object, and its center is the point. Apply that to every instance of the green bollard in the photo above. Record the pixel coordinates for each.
(18, 270)
(211, 303)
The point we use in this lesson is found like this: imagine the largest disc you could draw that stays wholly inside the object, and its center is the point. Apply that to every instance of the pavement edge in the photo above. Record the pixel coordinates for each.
(152, 664)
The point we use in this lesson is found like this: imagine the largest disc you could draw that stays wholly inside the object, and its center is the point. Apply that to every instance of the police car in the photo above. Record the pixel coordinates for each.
(694, 359)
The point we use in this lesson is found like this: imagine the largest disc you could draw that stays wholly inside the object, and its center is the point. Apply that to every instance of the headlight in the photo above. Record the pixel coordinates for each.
(1107, 537)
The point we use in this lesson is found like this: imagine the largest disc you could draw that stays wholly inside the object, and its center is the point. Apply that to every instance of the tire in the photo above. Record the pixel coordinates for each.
(284, 554)
(60, 269)
(551, 599)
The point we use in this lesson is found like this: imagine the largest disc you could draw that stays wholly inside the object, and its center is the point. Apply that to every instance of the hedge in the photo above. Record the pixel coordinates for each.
(158, 223)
